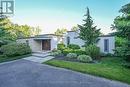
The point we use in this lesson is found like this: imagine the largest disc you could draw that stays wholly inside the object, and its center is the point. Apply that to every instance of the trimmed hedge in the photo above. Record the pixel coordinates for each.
(84, 58)
(72, 55)
(73, 46)
(77, 51)
(15, 49)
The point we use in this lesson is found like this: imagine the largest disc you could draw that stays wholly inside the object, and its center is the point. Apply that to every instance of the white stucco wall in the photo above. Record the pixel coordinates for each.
(54, 41)
(73, 38)
(78, 41)
(34, 45)
(111, 44)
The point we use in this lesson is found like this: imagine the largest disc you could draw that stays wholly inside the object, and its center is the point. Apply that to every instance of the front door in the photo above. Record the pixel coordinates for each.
(46, 44)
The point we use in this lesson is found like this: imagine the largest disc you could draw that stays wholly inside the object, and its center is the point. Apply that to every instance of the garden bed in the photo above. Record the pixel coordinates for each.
(72, 59)
(6, 59)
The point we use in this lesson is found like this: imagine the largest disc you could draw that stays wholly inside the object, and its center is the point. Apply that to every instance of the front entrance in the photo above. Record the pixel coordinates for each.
(46, 44)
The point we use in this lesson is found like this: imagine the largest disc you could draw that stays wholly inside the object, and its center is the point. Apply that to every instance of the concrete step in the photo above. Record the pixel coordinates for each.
(42, 55)
(38, 59)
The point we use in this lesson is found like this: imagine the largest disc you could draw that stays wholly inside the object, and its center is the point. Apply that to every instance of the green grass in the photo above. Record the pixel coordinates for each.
(6, 59)
(110, 68)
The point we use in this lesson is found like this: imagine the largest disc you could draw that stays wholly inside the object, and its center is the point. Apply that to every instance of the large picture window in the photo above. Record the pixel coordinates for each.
(106, 45)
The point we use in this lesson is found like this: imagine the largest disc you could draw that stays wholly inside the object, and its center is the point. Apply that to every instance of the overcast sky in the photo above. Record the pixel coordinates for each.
(52, 14)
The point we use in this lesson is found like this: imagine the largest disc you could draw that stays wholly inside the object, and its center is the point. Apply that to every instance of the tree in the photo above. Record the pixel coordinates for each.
(74, 28)
(88, 32)
(35, 31)
(122, 26)
(60, 31)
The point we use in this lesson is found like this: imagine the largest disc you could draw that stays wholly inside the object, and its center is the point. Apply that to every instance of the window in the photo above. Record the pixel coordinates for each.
(106, 45)
(68, 40)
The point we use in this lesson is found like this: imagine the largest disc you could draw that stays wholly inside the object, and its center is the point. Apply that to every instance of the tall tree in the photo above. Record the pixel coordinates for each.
(88, 32)
(74, 28)
(122, 26)
(60, 31)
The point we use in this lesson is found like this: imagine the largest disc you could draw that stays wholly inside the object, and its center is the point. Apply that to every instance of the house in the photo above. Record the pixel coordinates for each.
(49, 41)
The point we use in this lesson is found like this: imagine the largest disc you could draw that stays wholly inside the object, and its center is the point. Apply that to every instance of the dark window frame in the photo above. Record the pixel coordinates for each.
(106, 45)
(68, 40)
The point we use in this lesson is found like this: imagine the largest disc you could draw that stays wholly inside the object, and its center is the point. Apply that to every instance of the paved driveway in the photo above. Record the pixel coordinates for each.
(23, 73)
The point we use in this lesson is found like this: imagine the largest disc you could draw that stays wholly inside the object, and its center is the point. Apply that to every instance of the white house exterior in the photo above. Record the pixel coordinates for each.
(106, 42)
(44, 42)
(49, 42)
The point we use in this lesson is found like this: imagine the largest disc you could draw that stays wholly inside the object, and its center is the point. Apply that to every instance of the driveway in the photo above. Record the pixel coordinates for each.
(24, 73)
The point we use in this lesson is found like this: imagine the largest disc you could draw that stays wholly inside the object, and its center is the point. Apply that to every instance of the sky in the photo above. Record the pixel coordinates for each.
(50, 15)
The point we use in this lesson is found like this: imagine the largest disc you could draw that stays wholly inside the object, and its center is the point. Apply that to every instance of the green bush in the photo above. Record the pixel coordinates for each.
(77, 51)
(73, 46)
(93, 51)
(56, 53)
(71, 55)
(61, 46)
(120, 51)
(106, 55)
(84, 58)
(67, 51)
(15, 49)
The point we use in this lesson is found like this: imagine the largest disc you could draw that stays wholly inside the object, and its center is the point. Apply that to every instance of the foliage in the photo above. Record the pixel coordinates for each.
(60, 32)
(56, 53)
(88, 32)
(120, 51)
(93, 51)
(74, 28)
(61, 46)
(107, 55)
(73, 46)
(15, 49)
(120, 41)
(77, 51)
(122, 26)
(84, 58)
(11, 31)
(72, 55)
(6, 59)
(109, 67)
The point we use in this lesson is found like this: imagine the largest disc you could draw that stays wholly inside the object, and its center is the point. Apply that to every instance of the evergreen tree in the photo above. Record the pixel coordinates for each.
(88, 32)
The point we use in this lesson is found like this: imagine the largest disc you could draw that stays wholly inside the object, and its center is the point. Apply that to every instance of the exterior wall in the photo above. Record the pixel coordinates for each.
(34, 45)
(74, 40)
(111, 44)
(54, 42)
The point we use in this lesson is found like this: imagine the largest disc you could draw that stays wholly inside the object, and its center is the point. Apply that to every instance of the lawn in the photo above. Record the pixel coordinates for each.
(110, 68)
(6, 59)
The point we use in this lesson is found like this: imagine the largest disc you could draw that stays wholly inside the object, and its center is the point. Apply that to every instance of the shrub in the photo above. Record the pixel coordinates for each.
(93, 51)
(120, 51)
(73, 46)
(71, 55)
(15, 49)
(67, 51)
(61, 46)
(84, 58)
(77, 51)
(56, 53)
(106, 55)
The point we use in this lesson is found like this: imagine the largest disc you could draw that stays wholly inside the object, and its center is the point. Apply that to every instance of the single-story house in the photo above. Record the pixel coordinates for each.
(48, 42)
